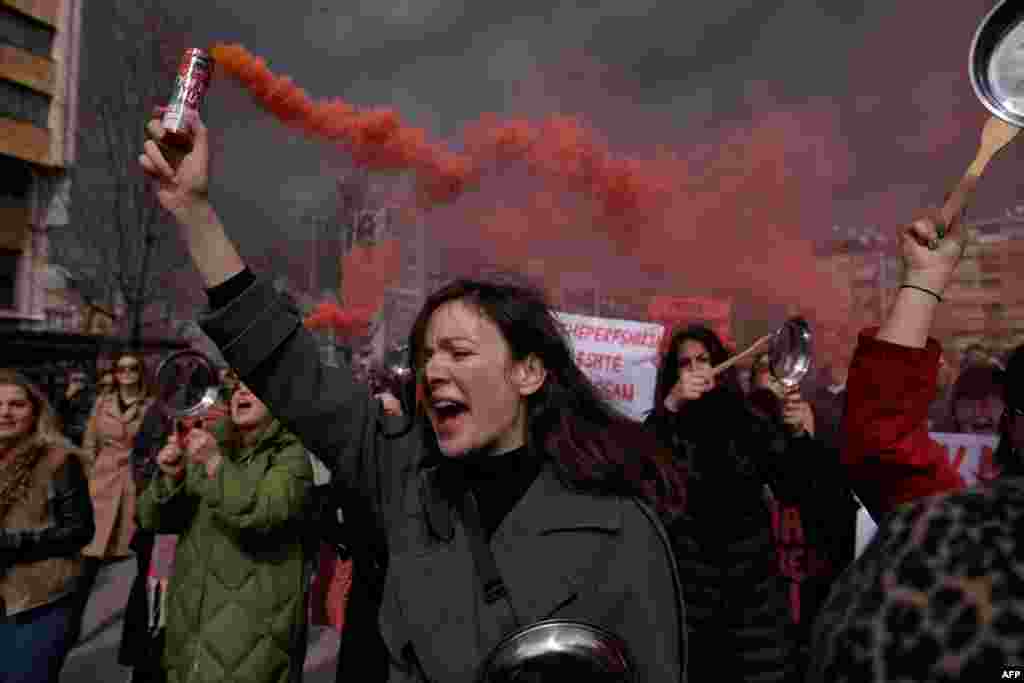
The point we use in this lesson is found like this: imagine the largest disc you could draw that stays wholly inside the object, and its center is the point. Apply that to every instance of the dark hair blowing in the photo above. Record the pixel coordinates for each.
(593, 446)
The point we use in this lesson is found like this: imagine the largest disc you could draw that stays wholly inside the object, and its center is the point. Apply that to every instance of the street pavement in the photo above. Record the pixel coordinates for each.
(95, 657)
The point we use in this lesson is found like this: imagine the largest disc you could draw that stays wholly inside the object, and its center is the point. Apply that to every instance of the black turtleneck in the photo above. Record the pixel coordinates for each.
(498, 482)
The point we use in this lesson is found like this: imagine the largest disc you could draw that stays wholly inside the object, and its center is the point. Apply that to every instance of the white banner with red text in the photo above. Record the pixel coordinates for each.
(619, 356)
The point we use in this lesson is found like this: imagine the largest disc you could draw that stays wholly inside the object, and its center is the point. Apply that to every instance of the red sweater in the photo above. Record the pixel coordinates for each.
(889, 455)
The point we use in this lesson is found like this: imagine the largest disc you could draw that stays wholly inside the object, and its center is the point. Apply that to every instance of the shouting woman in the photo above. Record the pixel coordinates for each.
(513, 494)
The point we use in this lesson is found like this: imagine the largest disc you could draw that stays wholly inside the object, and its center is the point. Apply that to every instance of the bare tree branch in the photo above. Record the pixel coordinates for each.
(119, 242)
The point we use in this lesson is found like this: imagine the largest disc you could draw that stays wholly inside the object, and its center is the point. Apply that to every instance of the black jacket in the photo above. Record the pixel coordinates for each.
(74, 414)
(735, 597)
(561, 553)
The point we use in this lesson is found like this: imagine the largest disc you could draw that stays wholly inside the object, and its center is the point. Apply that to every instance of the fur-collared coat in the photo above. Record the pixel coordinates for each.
(43, 530)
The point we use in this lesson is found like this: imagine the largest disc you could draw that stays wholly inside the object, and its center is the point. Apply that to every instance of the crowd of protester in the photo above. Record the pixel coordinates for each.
(485, 485)
(766, 530)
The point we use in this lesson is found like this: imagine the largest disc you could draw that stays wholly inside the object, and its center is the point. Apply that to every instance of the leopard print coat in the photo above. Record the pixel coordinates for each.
(937, 596)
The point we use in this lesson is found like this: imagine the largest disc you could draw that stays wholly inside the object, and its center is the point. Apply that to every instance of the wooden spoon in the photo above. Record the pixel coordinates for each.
(996, 135)
(754, 348)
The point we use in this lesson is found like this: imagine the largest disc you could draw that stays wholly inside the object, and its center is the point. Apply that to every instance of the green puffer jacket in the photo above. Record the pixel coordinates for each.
(236, 608)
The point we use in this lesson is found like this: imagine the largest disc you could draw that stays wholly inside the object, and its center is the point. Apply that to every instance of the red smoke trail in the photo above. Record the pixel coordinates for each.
(729, 216)
(346, 322)
(367, 272)
(378, 139)
(729, 209)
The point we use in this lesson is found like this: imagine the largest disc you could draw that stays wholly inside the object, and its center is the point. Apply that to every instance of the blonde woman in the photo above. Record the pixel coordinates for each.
(46, 518)
(113, 424)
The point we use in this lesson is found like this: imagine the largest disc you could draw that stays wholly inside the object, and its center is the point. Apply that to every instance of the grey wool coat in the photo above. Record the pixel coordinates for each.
(562, 553)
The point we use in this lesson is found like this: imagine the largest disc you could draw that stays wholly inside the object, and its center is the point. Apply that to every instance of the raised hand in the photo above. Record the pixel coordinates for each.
(691, 386)
(797, 414)
(181, 186)
(926, 267)
(929, 260)
(170, 460)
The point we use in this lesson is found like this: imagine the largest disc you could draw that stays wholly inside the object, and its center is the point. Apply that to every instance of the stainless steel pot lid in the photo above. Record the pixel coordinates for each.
(186, 383)
(791, 352)
(557, 650)
(997, 61)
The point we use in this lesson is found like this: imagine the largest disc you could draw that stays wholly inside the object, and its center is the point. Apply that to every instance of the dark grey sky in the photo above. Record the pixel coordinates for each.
(892, 73)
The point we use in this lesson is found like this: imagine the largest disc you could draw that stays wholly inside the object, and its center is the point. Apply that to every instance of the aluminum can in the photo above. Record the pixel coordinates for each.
(190, 86)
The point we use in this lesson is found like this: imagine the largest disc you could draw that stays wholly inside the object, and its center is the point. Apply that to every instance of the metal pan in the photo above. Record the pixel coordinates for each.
(187, 384)
(997, 62)
(791, 352)
(557, 650)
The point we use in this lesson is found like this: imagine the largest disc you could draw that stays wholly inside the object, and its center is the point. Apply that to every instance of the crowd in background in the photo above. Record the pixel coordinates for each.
(778, 540)
(767, 530)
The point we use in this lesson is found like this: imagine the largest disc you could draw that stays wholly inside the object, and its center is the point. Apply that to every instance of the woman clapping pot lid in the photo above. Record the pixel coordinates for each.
(515, 494)
(239, 499)
(46, 519)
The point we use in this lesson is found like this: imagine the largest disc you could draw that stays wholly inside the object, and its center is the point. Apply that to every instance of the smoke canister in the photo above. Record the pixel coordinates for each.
(190, 86)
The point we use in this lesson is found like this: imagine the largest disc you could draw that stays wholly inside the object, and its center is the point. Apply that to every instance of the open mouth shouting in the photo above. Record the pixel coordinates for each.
(448, 416)
(247, 410)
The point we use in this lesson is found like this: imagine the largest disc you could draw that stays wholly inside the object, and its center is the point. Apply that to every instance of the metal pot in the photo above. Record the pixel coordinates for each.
(997, 62)
(558, 650)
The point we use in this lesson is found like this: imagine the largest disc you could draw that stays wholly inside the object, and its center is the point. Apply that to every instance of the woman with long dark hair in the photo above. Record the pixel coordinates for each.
(45, 520)
(514, 494)
(735, 597)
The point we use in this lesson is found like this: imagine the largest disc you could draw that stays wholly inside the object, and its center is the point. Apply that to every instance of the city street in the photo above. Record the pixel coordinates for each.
(95, 658)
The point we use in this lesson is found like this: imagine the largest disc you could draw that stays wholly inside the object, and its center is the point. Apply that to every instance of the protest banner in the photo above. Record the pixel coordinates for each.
(676, 311)
(619, 356)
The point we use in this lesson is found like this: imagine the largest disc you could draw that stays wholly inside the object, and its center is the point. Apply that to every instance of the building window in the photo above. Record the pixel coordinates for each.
(23, 104)
(16, 182)
(25, 32)
(8, 277)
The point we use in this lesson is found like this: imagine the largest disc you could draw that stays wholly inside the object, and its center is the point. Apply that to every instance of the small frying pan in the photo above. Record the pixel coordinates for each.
(997, 62)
